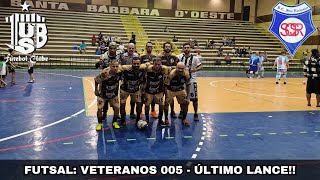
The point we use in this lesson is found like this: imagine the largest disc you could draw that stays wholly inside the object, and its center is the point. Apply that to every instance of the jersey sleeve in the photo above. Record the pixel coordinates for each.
(98, 79)
(168, 78)
(187, 75)
(196, 61)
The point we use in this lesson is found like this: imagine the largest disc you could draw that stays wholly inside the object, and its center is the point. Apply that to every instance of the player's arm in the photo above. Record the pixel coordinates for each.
(198, 65)
(274, 64)
(188, 83)
(97, 81)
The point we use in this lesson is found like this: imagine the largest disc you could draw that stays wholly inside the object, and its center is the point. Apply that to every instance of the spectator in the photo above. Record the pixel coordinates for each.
(103, 48)
(220, 51)
(249, 51)
(83, 47)
(212, 44)
(100, 38)
(228, 41)
(117, 40)
(121, 48)
(311, 70)
(234, 51)
(175, 39)
(132, 41)
(227, 58)
(133, 36)
(233, 41)
(98, 51)
(166, 29)
(93, 40)
(224, 41)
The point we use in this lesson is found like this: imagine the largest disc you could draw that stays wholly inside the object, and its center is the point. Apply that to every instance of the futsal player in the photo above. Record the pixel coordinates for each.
(282, 64)
(156, 74)
(106, 89)
(169, 59)
(148, 57)
(177, 84)
(193, 64)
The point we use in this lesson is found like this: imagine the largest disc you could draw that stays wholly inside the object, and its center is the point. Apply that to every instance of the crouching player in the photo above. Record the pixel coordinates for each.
(106, 89)
(178, 85)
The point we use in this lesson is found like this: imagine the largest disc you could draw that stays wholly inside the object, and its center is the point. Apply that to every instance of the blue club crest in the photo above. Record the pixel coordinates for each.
(292, 25)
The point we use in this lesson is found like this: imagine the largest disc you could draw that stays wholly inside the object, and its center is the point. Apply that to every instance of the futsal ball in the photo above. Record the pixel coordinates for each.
(142, 124)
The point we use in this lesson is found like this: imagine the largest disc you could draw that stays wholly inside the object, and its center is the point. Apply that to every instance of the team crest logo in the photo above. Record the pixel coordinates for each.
(28, 31)
(292, 25)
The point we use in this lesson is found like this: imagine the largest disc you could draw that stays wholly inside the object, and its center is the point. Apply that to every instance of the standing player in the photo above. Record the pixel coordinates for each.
(178, 85)
(262, 58)
(11, 66)
(193, 64)
(31, 63)
(254, 64)
(106, 89)
(155, 87)
(169, 59)
(311, 70)
(282, 63)
(132, 75)
(126, 59)
(148, 57)
(105, 60)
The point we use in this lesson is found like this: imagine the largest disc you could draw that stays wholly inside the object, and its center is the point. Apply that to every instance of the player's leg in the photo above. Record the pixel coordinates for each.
(172, 114)
(148, 100)
(105, 110)
(309, 90)
(100, 103)
(114, 103)
(169, 100)
(182, 100)
(123, 98)
(13, 75)
(194, 99)
(136, 98)
(278, 76)
(284, 76)
(158, 99)
(153, 111)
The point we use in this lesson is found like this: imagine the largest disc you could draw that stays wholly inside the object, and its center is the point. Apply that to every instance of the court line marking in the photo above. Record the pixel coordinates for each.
(56, 122)
(271, 133)
(194, 156)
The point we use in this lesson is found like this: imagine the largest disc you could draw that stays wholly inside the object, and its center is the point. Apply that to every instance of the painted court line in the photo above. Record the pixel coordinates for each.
(56, 122)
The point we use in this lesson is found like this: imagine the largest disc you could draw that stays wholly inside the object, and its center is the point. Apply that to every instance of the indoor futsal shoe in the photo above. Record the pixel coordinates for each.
(154, 114)
(173, 114)
(99, 127)
(116, 125)
(195, 117)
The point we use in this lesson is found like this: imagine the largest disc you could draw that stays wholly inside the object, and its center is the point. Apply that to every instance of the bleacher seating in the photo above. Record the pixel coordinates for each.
(67, 29)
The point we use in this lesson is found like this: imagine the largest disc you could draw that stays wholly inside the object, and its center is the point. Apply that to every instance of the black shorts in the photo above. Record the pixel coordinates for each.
(30, 71)
(313, 85)
(11, 70)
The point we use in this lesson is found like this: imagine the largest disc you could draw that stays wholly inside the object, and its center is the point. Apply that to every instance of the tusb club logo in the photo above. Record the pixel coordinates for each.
(292, 25)
(28, 31)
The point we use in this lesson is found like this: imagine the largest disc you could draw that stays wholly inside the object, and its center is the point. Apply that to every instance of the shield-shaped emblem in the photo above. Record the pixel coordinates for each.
(292, 25)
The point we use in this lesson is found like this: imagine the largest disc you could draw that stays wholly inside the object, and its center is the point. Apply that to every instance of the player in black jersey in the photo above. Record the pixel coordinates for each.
(169, 59)
(156, 74)
(132, 76)
(148, 57)
(177, 85)
(106, 89)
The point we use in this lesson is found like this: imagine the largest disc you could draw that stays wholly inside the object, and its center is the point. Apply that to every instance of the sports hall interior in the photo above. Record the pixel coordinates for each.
(240, 118)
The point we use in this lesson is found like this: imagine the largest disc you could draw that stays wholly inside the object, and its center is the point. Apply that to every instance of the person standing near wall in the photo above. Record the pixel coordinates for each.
(311, 70)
